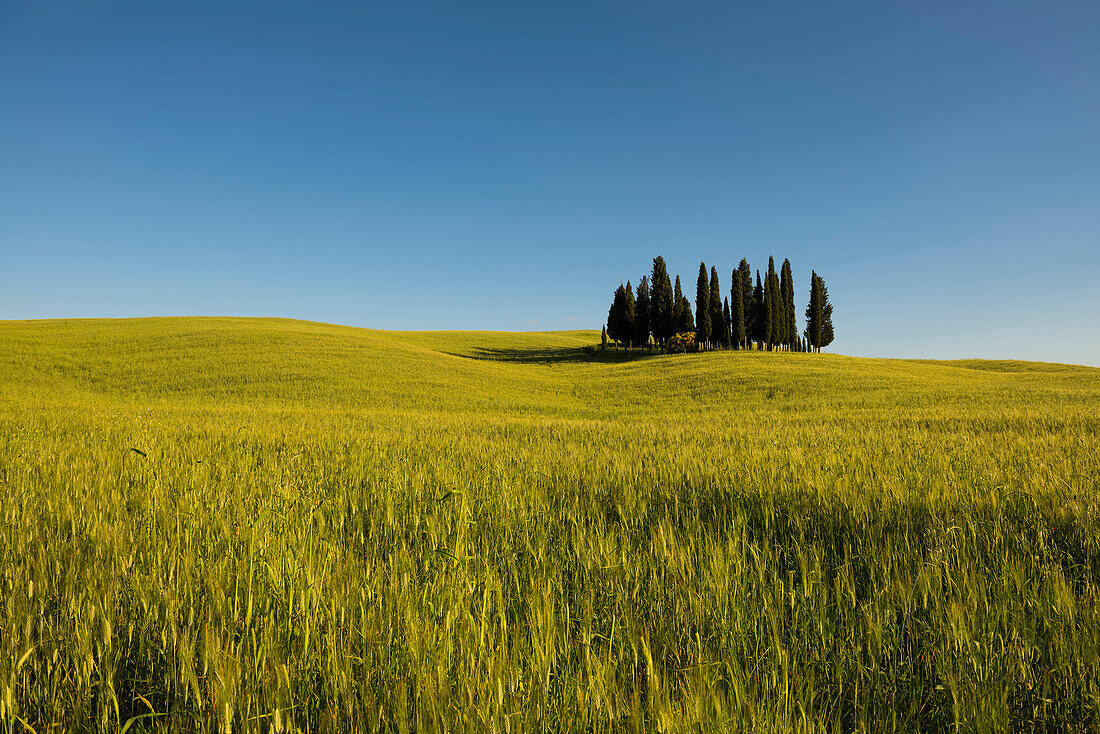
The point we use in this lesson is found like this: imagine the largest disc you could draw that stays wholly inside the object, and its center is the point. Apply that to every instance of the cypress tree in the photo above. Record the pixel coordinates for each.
(775, 306)
(641, 313)
(737, 311)
(603, 337)
(779, 322)
(813, 313)
(687, 321)
(759, 333)
(786, 285)
(726, 323)
(746, 292)
(702, 307)
(717, 323)
(771, 325)
(683, 321)
(615, 314)
(826, 315)
(629, 315)
(661, 305)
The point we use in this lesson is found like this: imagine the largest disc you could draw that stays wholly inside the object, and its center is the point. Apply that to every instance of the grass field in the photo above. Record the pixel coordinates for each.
(279, 525)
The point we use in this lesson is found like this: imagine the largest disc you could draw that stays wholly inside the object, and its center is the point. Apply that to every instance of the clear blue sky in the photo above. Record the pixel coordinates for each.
(502, 165)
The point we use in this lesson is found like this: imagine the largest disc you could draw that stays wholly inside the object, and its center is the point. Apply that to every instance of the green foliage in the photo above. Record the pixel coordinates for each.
(330, 528)
(681, 342)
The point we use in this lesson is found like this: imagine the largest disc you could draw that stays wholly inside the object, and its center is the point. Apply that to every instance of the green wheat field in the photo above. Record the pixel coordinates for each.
(275, 525)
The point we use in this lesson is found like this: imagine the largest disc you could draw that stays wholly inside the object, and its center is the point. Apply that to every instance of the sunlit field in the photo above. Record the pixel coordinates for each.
(235, 524)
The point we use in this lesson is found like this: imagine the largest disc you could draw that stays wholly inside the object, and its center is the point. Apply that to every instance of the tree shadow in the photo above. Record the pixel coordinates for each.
(557, 355)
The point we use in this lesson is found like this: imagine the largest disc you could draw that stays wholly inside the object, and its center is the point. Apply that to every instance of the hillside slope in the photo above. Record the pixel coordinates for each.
(257, 362)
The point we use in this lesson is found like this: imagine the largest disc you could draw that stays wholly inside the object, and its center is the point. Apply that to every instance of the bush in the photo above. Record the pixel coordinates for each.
(682, 342)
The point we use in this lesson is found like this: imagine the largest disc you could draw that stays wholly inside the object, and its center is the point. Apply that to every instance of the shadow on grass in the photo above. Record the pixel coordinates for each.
(558, 355)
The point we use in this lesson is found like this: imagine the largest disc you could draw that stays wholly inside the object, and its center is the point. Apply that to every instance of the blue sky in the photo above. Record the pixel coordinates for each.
(411, 165)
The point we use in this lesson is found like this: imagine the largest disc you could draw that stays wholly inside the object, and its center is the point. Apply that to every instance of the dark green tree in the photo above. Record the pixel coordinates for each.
(819, 315)
(769, 313)
(726, 323)
(717, 323)
(603, 337)
(786, 288)
(737, 311)
(702, 307)
(683, 319)
(779, 317)
(687, 320)
(813, 314)
(747, 301)
(759, 333)
(641, 313)
(772, 314)
(662, 307)
(615, 315)
(630, 318)
(826, 316)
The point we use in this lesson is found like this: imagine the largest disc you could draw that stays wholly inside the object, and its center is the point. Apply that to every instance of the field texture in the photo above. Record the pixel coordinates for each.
(278, 525)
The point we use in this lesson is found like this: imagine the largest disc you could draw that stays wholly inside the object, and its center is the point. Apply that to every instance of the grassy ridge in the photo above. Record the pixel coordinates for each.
(336, 527)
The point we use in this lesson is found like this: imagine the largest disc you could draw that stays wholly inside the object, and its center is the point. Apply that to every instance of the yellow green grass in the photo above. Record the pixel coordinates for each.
(256, 524)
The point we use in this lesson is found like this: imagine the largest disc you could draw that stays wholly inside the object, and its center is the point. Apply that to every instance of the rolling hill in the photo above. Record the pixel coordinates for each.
(276, 524)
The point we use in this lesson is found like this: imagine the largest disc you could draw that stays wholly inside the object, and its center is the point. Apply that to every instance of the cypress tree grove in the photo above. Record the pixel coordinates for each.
(759, 332)
(717, 323)
(737, 311)
(762, 316)
(661, 305)
(746, 292)
(641, 314)
(786, 287)
(702, 307)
